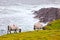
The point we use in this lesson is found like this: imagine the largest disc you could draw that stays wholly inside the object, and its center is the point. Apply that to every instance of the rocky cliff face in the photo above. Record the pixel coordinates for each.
(47, 14)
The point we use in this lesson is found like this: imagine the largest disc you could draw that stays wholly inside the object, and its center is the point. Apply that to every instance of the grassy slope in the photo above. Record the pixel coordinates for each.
(53, 34)
(55, 25)
(35, 35)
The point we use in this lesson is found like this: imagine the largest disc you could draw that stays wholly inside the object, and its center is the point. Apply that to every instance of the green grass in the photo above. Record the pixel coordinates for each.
(52, 33)
(54, 25)
(34, 35)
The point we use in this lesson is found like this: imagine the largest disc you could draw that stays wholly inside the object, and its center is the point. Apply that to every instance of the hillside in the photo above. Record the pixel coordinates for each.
(35, 35)
(55, 25)
(52, 34)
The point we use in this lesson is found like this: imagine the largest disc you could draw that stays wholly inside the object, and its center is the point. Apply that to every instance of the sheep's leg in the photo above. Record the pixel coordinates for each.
(34, 28)
(10, 31)
(19, 30)
(15, 31)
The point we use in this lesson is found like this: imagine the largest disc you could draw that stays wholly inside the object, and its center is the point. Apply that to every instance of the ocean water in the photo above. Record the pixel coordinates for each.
(22, 16)
(19, 15)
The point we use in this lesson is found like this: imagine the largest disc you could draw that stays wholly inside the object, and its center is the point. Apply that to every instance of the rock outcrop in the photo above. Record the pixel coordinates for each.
(47, 14)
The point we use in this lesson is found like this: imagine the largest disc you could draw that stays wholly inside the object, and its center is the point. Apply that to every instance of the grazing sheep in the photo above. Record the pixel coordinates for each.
(39, 25)
(13, 28)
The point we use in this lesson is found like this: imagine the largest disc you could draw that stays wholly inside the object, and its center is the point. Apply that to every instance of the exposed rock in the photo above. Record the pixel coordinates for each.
(47, 14)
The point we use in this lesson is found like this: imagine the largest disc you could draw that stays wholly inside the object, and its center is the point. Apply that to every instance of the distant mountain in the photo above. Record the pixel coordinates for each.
(29, 2)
